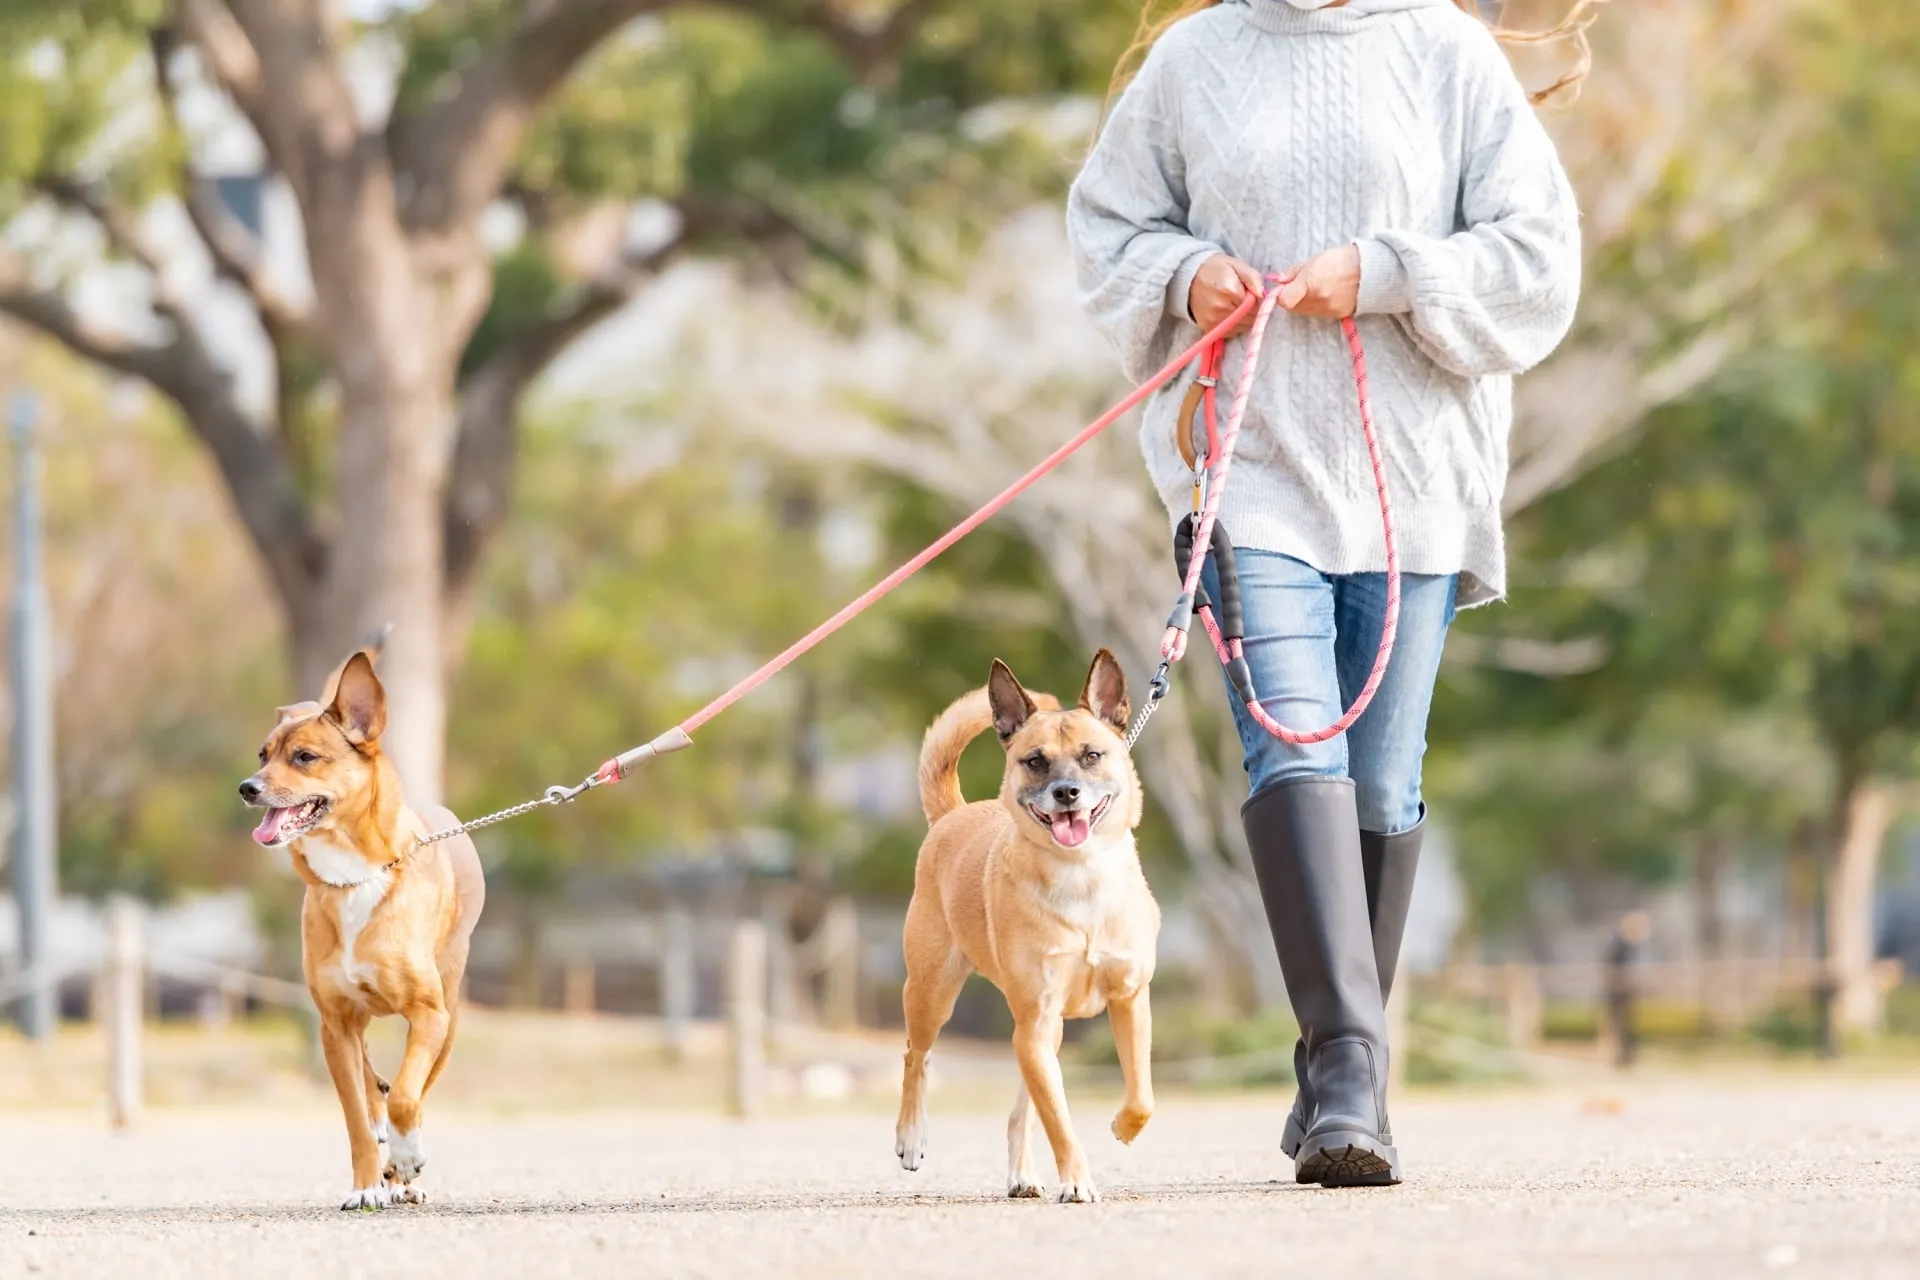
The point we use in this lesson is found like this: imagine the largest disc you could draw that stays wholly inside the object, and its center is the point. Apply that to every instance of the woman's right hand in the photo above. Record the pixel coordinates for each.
(1222, 283)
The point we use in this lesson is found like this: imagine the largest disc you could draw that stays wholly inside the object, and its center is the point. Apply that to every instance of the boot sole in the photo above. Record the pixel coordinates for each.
(1348, 1160)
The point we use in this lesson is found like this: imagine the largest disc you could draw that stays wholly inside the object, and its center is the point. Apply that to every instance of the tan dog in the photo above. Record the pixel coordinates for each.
(1041, 892)
(386, 921)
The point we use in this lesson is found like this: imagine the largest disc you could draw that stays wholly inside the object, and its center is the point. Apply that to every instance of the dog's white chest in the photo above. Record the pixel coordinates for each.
(366, 886)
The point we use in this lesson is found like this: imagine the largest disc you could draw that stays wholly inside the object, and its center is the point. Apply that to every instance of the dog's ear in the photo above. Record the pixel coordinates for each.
(1105, 694)
(359, 704)
(371, 649)
(1010, 703)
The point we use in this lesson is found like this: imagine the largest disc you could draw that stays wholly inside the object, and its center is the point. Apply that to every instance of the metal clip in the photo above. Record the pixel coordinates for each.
(561, 795)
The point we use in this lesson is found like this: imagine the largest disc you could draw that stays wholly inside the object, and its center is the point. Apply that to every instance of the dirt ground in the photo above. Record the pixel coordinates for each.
(1794, 1178)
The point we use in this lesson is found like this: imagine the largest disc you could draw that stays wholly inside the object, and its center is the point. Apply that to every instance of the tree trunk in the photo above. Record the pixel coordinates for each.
(1866, 811)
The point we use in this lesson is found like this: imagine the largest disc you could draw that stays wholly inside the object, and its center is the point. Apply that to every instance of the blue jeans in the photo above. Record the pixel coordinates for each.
(1311, 639)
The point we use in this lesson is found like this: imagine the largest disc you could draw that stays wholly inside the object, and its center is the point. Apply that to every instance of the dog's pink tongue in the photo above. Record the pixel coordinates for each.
(1070, 829)
(269, 829)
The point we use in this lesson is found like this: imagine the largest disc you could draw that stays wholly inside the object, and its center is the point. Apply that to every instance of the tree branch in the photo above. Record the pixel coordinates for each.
(229, 58)
(180, 369)
(480, 484)
(456, 150)
(237, 256)
(871, 48)
(308, 122)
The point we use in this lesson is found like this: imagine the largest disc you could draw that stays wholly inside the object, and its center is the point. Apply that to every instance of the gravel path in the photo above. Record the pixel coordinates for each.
(1814, 1179)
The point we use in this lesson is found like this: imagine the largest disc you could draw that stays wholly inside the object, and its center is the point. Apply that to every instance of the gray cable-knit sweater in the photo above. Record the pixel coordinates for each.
(1274, 132)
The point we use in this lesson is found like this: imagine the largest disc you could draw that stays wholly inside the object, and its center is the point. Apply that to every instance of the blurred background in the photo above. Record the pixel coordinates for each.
(604, 347)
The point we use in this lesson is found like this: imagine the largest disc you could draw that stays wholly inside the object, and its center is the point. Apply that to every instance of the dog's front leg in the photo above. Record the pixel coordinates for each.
(1132, 1020)
(1036, 1042)
(343, 1041)
(427, 1030)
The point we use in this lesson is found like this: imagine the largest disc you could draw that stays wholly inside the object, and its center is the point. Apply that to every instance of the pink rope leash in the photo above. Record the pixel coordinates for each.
(1173, 645)
(680, 736)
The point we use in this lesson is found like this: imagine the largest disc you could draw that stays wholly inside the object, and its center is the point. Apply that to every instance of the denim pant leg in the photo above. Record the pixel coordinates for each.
(1386, 744)
(1289, 608)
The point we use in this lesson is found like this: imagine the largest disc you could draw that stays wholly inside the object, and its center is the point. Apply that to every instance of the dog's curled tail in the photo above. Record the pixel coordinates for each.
(946, 741)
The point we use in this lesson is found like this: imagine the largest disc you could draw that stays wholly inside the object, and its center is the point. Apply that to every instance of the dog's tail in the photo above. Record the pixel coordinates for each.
(946, 742)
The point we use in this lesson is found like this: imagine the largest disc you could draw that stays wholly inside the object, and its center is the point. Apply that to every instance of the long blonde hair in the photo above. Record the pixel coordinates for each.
(1571, 29)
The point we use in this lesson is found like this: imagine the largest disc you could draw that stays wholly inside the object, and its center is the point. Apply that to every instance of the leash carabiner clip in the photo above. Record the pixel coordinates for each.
(1161, 682)
(561, 795)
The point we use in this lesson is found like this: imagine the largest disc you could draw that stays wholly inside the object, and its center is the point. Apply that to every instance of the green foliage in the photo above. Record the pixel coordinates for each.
(1750, 564)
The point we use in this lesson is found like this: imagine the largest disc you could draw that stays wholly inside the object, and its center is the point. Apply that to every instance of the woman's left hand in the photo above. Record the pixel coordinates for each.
(1327, 285)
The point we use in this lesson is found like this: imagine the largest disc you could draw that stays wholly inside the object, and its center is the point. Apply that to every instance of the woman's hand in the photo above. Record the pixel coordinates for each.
(1327, 285)
(1222, 283)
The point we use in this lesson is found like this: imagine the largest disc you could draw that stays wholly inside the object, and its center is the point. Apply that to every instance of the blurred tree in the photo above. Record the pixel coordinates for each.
(383, 465)
(1755, 554)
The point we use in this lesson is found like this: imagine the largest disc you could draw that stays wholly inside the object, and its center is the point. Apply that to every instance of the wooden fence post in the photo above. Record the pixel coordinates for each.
(840, 947)
(576, 986)
(677, 978)
(1525, 1009)
(747, 1015)
(125, 1009)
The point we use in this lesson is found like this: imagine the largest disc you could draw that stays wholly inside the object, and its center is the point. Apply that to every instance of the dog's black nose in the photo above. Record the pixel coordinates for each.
(1066, 793)
(252, 789)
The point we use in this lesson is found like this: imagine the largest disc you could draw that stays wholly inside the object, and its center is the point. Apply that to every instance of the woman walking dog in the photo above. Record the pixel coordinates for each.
(1382, 153)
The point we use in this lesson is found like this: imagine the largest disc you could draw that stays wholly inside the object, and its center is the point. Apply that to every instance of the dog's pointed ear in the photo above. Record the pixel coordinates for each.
(1010, 703)
(359, 703)
(1105, 694)
(371, 649)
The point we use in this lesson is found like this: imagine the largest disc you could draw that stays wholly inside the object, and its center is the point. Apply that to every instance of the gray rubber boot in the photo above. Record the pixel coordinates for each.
(1390, 863)
(1304, 835)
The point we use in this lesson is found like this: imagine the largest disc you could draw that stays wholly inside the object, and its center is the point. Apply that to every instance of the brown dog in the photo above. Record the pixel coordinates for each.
(386, 921)
(1041, 892)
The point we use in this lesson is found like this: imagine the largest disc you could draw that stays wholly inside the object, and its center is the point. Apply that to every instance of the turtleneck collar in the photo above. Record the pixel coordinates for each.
(1285, 17)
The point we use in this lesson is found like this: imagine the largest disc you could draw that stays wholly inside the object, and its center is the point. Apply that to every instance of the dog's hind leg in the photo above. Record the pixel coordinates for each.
(1022, 1182)
(936, 970)
(376, 1096)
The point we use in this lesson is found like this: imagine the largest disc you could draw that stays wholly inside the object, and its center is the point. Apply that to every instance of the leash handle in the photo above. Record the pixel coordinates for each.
(1229, 647)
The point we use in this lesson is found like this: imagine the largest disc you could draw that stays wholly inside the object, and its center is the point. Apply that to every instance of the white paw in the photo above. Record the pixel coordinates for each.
(366, 1198)
(407, 1194)
(1020, 1188)
(910, 1144)
(406, 1156)
(381, 1134)
(1080, 1192)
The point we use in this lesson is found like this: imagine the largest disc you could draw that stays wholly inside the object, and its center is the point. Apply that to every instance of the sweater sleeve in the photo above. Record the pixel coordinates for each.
(1498, 296)
(1127, 224)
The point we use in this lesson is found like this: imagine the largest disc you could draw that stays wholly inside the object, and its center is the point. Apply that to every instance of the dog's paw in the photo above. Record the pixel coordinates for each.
(1079, 1191)
(368, 1198)
(407, 1194)
(406, 1156)
(1129, 1121)
(911, 1146)
(1021, 1189)
(382, 1133)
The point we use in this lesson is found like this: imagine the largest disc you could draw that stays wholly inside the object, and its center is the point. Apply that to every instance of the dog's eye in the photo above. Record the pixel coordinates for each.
(263, 755)
(1089, 756)
(1036, 762)
(305, 758)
